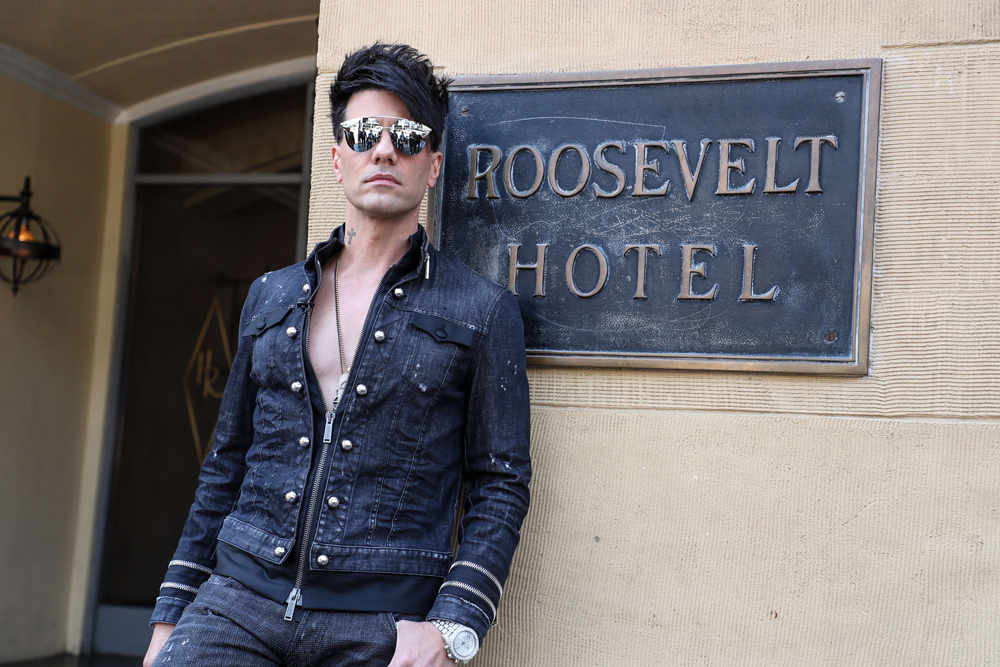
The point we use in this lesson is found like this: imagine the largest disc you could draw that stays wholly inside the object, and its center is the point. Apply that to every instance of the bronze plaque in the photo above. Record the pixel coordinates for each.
(716, 218)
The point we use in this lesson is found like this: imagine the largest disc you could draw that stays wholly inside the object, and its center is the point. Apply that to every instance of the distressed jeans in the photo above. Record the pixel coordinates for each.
(229, 625)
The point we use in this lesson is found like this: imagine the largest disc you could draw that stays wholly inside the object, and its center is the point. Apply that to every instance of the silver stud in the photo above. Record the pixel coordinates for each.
(323, 560)
(398, 292)
(296, 386)
(291, 331)
(346, 445)
(306, 288)
(379, 336)
(362, 390)
(291, 496)
(333, 501)
(303, 441)
(279, 551)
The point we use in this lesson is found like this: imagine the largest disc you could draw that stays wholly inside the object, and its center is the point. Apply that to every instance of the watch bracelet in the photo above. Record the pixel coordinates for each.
(446, 628)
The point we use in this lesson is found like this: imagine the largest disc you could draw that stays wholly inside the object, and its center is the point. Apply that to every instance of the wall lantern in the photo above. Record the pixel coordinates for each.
(29, 242)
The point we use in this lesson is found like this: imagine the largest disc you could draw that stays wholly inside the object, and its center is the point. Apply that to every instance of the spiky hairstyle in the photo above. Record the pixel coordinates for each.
(399, 69)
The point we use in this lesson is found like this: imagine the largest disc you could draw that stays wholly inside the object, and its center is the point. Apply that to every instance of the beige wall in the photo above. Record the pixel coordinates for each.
(686, 518)
(46, 338)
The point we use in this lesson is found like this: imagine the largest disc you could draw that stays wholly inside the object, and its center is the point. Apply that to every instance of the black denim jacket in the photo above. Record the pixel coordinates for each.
(437, 401)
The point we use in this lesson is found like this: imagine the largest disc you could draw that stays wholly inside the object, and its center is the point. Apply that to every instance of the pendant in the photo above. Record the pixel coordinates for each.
(341, 389)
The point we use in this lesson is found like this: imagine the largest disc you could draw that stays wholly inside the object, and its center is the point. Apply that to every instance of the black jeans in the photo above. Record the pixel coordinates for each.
(229, 625)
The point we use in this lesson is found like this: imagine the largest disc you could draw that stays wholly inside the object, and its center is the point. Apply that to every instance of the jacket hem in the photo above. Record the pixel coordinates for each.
(382, 560)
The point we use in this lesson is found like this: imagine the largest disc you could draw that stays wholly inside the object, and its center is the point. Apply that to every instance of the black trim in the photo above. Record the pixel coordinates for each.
(266, 321)
(442, 329)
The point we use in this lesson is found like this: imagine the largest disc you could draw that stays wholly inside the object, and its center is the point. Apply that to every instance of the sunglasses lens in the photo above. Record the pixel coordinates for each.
(407, 137)
(363, 134)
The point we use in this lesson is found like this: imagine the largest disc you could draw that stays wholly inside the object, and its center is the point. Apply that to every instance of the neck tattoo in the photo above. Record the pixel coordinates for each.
(350, 235)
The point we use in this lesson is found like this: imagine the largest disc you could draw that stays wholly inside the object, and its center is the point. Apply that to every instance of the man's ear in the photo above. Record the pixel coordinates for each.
(435, 171)
(335, 154)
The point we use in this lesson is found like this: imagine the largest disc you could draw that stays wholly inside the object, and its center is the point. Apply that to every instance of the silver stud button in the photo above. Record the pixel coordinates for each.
(333, 501)
(296, 386)
(306, 288)
(279, 551)
(323, 560)
(398, 292)
(362, 390)
(291, 331)
(346, 445)
(291, 496)
(379, 336)
(303, 441)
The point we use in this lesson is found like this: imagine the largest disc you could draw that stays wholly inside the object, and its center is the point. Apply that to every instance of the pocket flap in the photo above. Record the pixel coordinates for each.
(443, 330)
(263, 322)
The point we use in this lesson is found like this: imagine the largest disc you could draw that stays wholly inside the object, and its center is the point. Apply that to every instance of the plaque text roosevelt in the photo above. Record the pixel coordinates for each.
(711, 217)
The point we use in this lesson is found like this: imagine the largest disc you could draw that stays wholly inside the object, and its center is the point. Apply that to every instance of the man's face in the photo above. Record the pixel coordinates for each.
(383, 183)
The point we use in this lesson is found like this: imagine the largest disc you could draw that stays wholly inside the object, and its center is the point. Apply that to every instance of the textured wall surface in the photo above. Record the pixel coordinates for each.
(697, 538)
(738, 519)
(46, 335)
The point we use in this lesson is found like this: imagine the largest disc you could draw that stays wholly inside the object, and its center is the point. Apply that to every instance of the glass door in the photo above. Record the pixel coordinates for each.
(220, 199)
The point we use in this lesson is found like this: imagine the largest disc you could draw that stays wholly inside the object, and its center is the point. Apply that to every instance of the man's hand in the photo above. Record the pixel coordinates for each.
(161, 633)
(418, 645)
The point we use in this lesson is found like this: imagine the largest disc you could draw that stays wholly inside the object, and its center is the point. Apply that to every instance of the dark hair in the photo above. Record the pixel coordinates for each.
(399, 69)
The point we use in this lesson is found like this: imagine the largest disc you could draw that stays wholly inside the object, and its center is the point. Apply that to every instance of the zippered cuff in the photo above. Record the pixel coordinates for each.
(179, 588)
(471, 594)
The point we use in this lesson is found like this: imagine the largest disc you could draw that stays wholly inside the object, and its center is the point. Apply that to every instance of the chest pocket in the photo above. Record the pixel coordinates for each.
(271, 345)
(435, 346)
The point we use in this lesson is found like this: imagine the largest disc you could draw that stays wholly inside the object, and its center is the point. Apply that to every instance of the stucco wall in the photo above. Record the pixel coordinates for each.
(748, 519)
(46, 338)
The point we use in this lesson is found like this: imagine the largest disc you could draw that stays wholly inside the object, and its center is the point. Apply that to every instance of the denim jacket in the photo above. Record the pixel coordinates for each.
(436, 407)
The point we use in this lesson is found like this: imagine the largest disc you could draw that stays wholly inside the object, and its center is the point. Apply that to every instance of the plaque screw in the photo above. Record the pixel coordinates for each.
(465, 111)
(830, 336)
(840, 97)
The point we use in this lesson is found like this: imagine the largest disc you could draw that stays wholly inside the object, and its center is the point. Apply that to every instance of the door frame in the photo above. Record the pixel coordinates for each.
(133, 622)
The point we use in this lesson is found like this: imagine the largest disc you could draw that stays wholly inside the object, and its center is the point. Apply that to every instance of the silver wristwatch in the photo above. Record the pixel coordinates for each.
(460, 642)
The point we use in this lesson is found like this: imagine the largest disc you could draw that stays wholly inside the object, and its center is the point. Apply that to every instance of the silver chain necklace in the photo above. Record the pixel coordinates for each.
(336, 302)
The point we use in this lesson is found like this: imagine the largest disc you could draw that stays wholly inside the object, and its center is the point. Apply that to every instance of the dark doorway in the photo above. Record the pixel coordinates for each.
(219, 200)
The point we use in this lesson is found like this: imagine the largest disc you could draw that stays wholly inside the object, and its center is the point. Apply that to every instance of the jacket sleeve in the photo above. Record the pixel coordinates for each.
(497, 470)
(218, 485)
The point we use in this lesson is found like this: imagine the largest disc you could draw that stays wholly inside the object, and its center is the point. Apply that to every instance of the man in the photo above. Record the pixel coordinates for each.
(375, 386)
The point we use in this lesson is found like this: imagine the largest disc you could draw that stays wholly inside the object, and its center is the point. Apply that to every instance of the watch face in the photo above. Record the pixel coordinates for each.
(465, 644)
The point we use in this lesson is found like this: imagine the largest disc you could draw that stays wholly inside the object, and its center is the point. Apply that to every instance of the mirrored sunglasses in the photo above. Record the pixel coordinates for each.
(408, 136)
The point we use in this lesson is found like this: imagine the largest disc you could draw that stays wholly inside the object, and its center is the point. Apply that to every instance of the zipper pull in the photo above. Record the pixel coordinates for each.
(427, 268)
(294, 600)
(328, 430)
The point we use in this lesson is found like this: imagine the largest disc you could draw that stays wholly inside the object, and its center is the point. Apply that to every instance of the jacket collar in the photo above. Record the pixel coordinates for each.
(418, 255)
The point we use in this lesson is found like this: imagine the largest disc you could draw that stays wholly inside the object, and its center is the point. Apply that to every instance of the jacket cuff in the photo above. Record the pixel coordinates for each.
(448, 607)
(470, 595)
(168, 610)
(178, 590)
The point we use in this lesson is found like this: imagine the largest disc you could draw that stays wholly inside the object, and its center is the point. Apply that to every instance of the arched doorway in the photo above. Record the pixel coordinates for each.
(220, 197)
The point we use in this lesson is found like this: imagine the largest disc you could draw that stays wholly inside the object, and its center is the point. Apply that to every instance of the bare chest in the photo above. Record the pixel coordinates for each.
(331, 351)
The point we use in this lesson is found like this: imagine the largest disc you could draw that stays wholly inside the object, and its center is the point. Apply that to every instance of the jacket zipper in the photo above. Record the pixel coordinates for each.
(295, 595)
